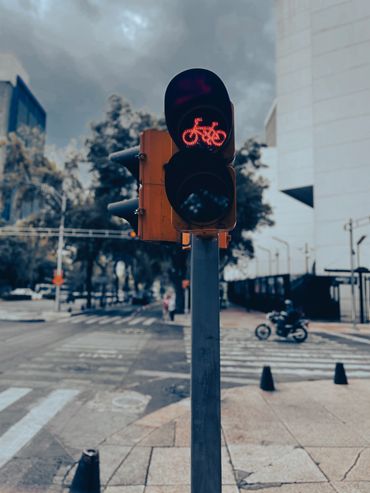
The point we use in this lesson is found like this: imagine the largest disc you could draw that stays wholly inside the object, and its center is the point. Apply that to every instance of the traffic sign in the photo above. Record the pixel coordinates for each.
(58, 279)
(185, 283)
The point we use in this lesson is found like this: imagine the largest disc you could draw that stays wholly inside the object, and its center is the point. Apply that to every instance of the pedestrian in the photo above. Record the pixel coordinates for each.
(172, 306)
(165, 304)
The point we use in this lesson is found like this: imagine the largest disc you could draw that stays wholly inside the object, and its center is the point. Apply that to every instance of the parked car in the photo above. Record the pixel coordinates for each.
(141, 298)
(23, 294)
(46, 290)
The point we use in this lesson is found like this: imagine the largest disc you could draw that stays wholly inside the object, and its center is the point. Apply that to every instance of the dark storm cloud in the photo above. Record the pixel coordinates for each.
(78, 52)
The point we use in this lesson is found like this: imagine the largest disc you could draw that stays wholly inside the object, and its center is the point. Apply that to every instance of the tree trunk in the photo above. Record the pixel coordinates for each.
(89, 273)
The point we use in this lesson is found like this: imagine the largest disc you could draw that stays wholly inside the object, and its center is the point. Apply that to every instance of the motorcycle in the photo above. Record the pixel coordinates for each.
(298, 329)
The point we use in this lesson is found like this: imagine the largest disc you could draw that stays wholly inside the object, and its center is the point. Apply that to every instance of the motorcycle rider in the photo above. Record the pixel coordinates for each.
(290, 316)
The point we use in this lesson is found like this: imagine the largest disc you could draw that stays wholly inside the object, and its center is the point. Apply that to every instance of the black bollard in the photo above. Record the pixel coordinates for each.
(267, 382)
(87, 477)
(340, 377)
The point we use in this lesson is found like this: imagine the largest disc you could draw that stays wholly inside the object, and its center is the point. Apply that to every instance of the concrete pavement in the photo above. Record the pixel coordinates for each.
(305, 437)
(237, 317)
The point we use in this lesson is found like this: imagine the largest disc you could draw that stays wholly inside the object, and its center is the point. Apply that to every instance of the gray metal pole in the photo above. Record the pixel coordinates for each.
(277, 262)
(60, 250)
(288, 260)
(353, 301)
(270, 258)
(306, 256)
(205, 367)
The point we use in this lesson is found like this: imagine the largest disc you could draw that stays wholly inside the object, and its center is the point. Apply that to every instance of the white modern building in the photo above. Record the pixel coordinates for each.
(286, 247)
(321, 123)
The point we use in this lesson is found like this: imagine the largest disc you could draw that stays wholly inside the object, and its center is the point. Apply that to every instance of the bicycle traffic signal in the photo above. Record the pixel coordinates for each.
(199, 178)
(150, 213)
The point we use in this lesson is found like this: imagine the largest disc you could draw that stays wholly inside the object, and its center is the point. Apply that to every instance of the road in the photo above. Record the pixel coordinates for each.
(69, 384)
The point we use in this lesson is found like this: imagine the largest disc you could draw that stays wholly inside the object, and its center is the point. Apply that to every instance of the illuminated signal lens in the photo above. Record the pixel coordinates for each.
(210, 135)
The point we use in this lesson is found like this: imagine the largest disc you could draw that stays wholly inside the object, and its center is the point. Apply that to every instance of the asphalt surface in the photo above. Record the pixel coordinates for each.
(66, 385)
(69, 384)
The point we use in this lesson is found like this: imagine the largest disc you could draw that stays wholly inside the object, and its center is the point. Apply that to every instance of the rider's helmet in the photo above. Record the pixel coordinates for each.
(288, 304)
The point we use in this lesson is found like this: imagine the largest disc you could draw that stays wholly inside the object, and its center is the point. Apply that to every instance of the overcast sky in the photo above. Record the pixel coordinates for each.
(78, 52)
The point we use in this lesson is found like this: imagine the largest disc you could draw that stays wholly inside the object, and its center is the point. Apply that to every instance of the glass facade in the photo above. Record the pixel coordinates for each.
(25, 109)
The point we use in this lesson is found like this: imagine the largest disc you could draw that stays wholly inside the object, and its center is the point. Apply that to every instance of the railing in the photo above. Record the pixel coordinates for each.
(70, 232)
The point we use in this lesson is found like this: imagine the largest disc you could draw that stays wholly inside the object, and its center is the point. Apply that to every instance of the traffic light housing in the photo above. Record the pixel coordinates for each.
(199, 177)
(150, 213)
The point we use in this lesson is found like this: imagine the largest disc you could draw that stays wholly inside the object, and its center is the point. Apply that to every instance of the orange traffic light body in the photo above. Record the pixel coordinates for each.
(223, 240)
(150, 213)
(156, 148)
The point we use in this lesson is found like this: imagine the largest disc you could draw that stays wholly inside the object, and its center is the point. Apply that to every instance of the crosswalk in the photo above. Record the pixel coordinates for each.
(107, 320)
(22, 431)
(100, 358)
(243, 357)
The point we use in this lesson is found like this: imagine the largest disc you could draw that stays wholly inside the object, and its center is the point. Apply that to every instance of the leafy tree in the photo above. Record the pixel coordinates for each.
(27, 174)
(252, 211)
(120, 129)
(31, 194)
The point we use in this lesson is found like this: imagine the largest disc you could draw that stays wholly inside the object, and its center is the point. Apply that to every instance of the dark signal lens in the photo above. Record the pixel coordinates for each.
(204, 198)
(199, 186)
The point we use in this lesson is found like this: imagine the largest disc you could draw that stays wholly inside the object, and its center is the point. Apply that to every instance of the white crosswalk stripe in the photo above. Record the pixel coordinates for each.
(361, 340)
(136, 321)
(110, 320)
(122, 320)
(9, 396)
(22, 432)
(243, 356)
(78, 319)
(106, 320)
(92, 320)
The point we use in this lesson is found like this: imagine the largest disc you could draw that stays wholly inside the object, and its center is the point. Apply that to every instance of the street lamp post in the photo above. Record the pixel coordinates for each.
(363, 237)
(270, 258)
(306, 256)
(257, 266)
(288, 258)
(60, 251)
(349, 226)
(277, 254)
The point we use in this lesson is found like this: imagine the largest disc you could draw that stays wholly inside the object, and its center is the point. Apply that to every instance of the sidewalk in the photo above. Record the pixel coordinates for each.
(44, 310)
(310, 437)
(237, 317)
(34, 311)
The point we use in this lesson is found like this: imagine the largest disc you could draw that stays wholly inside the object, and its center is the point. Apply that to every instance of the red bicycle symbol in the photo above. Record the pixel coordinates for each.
(208, 134)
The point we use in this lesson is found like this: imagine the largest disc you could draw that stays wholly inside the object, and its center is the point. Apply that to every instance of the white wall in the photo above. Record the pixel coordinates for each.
(294, 94)
(323, 119)
(341, 113)
(293, 223)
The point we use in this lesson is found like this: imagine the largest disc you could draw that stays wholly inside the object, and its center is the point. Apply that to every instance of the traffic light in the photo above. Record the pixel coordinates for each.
(128, 209)
(150, 213)
(200, 178)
